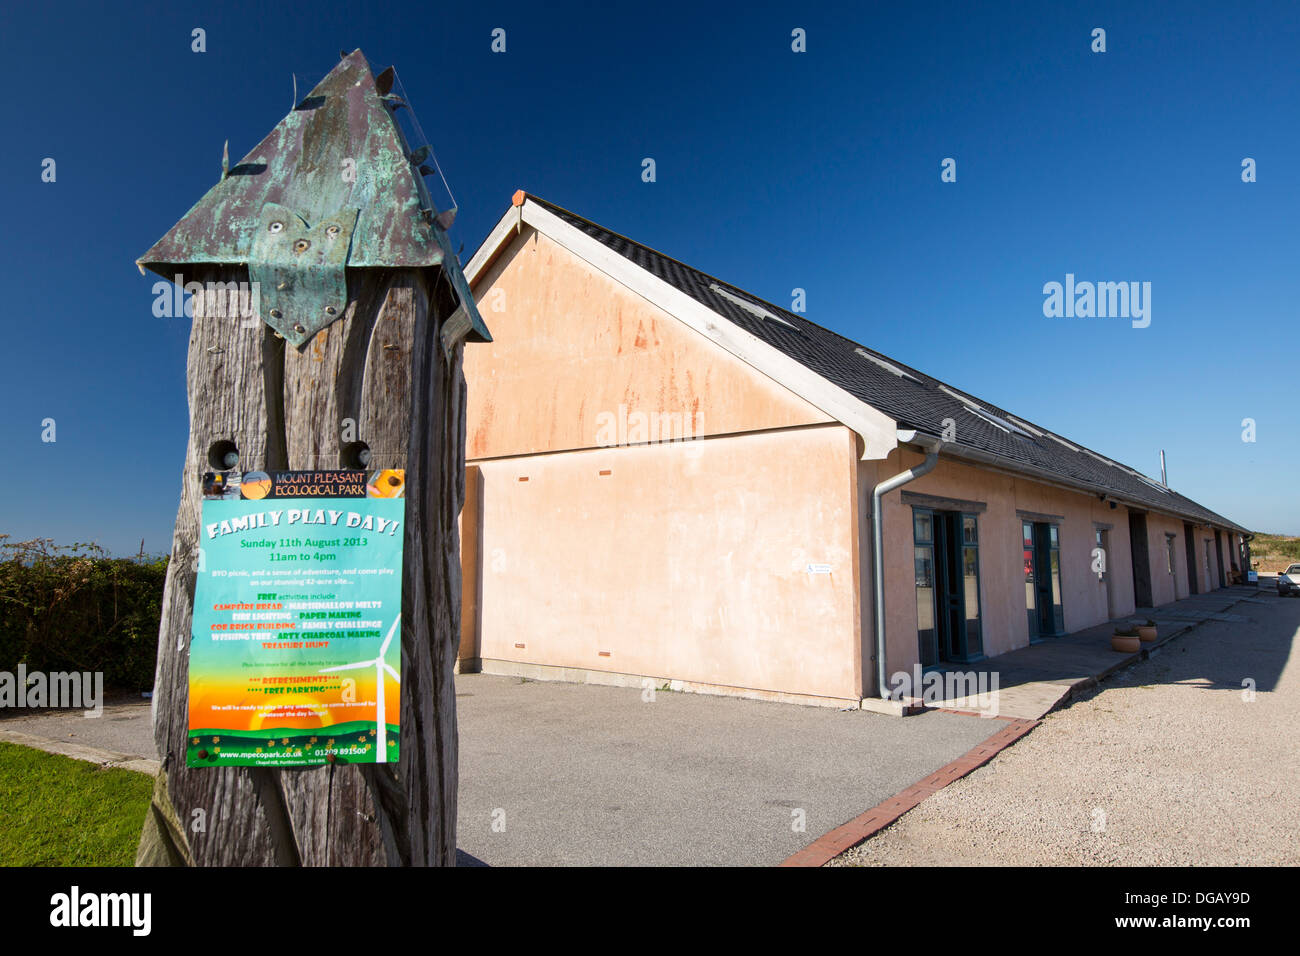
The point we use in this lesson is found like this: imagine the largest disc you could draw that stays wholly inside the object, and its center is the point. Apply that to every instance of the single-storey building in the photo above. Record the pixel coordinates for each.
(668, 478)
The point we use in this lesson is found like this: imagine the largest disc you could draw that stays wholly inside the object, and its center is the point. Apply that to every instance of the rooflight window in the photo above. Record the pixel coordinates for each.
(997, 422)
(966, 399)
(750, 307)
(1062, 441)
(887, 366)
(1029, 428)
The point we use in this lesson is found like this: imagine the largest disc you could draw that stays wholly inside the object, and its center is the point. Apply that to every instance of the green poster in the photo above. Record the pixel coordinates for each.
(295, 651)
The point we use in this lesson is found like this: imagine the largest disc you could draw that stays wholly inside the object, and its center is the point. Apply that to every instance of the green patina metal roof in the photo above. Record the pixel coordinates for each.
(337, 186)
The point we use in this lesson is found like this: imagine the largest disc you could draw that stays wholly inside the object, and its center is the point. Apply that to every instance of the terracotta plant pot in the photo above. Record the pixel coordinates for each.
(1128, 645)
(1146, 633)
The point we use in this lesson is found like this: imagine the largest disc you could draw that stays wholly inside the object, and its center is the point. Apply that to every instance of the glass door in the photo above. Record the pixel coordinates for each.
(948, 596)
(946, 559)
(1042, 554)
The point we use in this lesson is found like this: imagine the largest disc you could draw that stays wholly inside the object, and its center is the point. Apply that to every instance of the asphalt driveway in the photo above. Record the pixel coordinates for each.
(576, 774)
(582, 774)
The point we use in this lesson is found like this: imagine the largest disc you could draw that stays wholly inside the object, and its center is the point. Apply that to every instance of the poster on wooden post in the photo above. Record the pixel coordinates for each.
(295, 652)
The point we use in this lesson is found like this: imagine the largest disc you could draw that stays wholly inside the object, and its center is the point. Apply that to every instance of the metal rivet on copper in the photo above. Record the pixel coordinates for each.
(276, 313)
(302, 245)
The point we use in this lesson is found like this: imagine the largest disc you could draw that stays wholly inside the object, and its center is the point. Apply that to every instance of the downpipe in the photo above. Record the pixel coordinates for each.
(931, 446)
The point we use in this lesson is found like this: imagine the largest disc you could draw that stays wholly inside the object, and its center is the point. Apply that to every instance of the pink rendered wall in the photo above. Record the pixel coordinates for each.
(686, 561)
(1167, 587)
(1002, 591)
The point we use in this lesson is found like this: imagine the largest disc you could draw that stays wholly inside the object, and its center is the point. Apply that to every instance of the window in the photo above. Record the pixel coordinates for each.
(1031, 603)
(1102, 563)
(887, 366)
(1058, 616)
(1169, 552)
(999, 423)
(751, 307)
(970, 558)
(1025, 425)
(923, 558)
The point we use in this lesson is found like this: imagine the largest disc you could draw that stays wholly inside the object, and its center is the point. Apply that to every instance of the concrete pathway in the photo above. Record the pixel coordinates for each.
(105, 758)
(1036, 679)
(122, 736)
(124, 728)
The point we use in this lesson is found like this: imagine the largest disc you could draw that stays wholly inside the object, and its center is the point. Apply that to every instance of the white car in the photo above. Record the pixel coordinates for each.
(1288, 582)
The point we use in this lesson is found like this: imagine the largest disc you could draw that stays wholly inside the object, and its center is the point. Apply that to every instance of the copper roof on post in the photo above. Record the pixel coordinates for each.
(338, 165)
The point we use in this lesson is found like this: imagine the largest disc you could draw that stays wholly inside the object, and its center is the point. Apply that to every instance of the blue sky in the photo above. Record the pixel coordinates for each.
(775, 170)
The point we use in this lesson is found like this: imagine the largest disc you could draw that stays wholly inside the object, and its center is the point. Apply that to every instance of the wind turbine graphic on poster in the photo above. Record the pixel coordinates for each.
(381, 667)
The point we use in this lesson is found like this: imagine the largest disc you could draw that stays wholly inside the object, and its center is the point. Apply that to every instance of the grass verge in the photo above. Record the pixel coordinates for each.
(56, 811)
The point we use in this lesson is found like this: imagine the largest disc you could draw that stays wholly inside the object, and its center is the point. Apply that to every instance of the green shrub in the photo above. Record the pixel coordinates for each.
(70, 607)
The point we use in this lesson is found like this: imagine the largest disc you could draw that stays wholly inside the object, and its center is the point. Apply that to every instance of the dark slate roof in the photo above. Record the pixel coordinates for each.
(913, 399)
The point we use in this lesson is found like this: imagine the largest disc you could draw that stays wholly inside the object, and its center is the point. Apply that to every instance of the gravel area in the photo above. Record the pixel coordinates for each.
(1164, 764)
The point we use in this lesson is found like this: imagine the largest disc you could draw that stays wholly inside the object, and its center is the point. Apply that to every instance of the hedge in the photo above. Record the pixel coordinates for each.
(70, 607)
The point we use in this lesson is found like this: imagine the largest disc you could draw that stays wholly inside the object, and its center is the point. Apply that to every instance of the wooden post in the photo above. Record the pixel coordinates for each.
(386, 369)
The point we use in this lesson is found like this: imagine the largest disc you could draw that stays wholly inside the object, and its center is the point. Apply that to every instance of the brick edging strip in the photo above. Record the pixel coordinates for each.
(832, 844)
